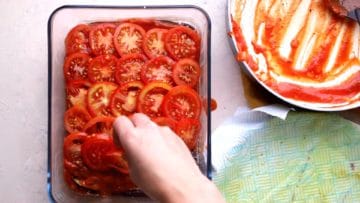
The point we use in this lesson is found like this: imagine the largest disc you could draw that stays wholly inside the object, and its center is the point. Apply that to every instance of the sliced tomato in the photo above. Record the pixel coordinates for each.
(100, 124)
(69, 180)
(188, 130)
(165, 121)
(116, 160)
(120, 183)
(78, 40)
(101, 39)
(158, 69)
(151, 98)
(186, 72)
(182, 42)
(98, 98)
(72, 154)
(108, 182)
(76, 92)
(76, 118)
(129, 67)
(76, 67)
(102, 69)
(124, 99)
(128, 38)
(154, 42)
(182, 102)
(93, 182)
(94, 150)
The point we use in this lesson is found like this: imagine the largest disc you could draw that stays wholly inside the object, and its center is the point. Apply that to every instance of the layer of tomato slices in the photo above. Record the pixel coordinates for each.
(120, 68)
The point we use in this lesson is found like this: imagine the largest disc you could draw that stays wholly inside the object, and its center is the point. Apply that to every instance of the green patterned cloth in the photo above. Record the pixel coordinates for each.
(310, 157)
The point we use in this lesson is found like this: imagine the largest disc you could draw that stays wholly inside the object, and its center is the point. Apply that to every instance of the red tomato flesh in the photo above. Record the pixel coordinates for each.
(182, 102)
(75, 119)
(102, 69)
(182, 42)
(186, 72)
(128, 38)
(158, 69)
(154, 42)
(98, 98)
(78, 40)
(129, 67)
(151, 97)
(100, 124)
(101, 39)
(124, 99)
(76, 92)
(188, 130)
(76, 67)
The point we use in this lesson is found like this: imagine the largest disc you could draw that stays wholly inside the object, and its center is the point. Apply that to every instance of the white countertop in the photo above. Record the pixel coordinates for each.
(23, 88)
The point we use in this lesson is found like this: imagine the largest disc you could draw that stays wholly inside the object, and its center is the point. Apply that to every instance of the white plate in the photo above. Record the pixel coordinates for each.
(306, 105)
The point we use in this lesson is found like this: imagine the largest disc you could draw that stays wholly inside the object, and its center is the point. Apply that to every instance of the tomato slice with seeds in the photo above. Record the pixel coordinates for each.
(128, 38)
(106, 183)
(94, 150)
(76, 92)
(165, 121)
(76, 67)
(151, 97)
(182, 42)
(158, 69)
(124, 99)
(129, 67)
(182, 102)
(188, 130)
(98, 98)
(75, 119)
(100, 124)
(186, 72)
(154, 42)
(72, 154)
(78, 40)
(116, 160)
(102, 69)
(101, 39)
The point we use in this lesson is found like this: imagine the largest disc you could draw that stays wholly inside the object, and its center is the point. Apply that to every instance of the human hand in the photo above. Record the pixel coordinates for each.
(160, 163)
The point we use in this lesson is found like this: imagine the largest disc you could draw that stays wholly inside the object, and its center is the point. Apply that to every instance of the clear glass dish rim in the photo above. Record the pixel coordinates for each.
(49, 47)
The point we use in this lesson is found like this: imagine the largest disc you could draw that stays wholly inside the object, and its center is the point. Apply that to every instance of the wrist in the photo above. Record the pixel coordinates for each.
(201, 190)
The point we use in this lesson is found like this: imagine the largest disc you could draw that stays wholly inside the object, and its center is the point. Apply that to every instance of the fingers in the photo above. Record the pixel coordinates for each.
(141, 120)
(124, 130)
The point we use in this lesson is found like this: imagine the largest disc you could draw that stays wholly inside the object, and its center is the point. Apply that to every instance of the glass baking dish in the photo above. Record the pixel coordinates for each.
(59, 24)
